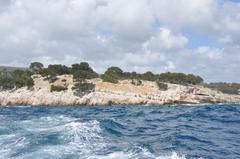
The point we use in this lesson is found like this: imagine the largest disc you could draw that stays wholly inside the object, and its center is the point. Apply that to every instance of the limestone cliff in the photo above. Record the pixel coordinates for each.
(107, 93)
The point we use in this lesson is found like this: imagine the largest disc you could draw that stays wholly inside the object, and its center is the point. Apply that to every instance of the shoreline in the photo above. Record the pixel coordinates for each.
(128, 105)
(124, 105)
(105, 93)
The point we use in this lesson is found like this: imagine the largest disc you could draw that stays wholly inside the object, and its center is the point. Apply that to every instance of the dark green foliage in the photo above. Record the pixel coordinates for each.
(51, 79)
(44, 72)
(55, 88)
(131, 75)
(229, 88)
(36, 67)
(83, 87)
(58, 69)
(83, 71)
(6, 83)
(162, 86)
(136, 82)
(180, 78)
(16, 79)
(11, 69)
(148, 76)
(112, 75)
(54, 70)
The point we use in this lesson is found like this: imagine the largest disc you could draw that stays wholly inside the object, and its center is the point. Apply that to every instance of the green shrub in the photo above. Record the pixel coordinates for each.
(148, 76)
(83, 71)
(55, 88)
(51, 79)
(16, 79)
(110, 79)
(82, 87)
(112, 75)
(180, 78)
(6, 83)
(44, 72)
(54, 70)
(36, 67)
(229, 88)
(162, 86)
(136, 82)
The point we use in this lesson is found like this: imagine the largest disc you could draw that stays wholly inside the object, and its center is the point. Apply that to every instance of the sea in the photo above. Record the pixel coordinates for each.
(205, 131)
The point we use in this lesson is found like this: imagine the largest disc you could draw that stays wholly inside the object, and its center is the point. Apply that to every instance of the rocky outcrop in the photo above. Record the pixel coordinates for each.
(124, 93)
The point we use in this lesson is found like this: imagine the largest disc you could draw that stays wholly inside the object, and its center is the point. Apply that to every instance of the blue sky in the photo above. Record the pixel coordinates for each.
(197, 39)
(191, 36)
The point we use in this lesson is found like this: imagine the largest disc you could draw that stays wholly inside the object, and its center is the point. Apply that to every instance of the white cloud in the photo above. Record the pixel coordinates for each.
(128, 20)
(165, 39)
(136, 35)
(210, 53)
(179, 13)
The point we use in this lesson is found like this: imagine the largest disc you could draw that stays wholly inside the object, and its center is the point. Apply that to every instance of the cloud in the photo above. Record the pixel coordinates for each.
(178, 13)
(165, 39)
(137, 35)
(128, 20)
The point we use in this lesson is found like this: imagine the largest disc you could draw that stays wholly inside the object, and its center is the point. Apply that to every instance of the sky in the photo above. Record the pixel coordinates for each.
(191, 36)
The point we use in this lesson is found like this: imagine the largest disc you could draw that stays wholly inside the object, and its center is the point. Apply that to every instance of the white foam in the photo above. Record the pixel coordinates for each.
(77, 138)
(174, 155)
(122, 155)
(9, 144)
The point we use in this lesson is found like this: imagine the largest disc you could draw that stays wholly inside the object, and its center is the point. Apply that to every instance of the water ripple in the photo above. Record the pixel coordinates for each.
(117, 132)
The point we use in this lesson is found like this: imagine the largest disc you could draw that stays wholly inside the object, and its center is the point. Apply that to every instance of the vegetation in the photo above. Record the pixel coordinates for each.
(136, 82)
(83, 71)
(55, 88)
(229, 88)
(180, 78)
(51, 79)
(112, 75)
(11, 69)
(82, 87)
(148, 76)
(36, 67)
(15, 79)
(54, 70)
(162, 86)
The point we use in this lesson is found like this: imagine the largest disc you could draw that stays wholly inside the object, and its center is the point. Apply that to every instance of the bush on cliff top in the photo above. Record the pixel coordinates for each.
(82, 87)
(162, 86)
(56, 88)
(83, 71)
(180, 78)
(229, 88)
(112, 75)
(15, 80)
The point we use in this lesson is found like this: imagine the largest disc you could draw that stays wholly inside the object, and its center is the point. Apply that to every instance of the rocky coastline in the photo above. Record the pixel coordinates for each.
(122, 93)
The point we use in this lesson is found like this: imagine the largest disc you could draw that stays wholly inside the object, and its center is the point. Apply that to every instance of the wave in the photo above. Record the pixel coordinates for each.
(73, 139)
(145, 155)
(69, 137)
(119, 133)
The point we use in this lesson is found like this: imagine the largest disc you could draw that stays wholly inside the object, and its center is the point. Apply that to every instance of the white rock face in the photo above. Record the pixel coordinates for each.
(107, 93)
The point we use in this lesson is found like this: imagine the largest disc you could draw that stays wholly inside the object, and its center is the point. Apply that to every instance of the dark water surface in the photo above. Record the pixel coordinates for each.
(117, 132)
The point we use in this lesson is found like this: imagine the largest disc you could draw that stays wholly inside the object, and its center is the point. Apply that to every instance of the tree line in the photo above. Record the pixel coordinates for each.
(82, 72)
(229, 88)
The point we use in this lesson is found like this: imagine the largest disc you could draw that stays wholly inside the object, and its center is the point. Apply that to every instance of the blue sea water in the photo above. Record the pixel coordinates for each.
(120, 132)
